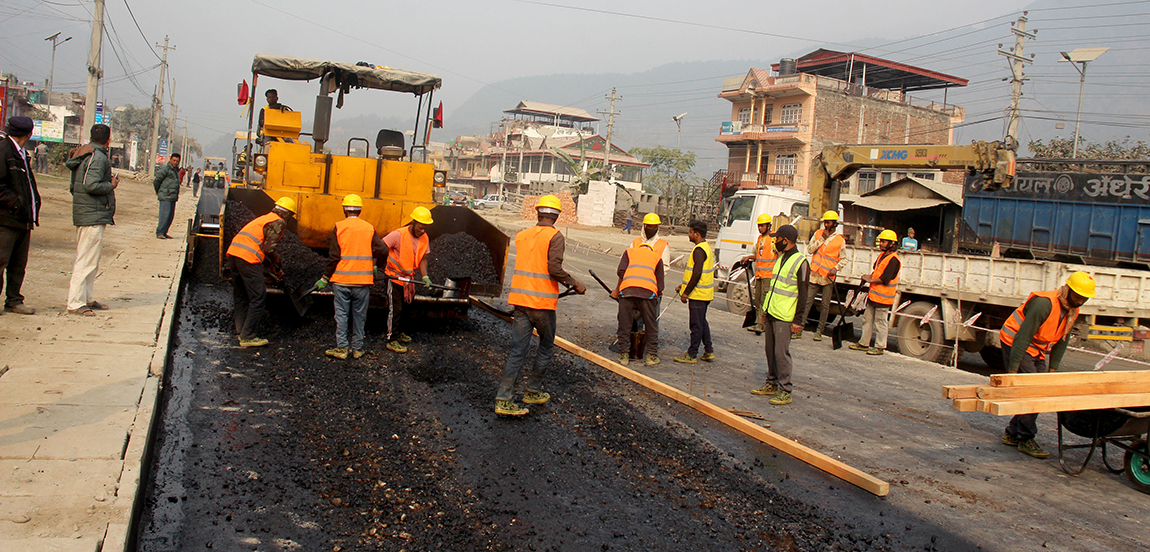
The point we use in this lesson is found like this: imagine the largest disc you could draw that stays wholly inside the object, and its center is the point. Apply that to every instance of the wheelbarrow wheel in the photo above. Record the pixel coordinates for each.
(1138, 467)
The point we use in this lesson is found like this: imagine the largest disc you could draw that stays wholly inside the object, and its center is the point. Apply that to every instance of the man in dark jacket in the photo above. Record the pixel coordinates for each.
(93, 208)
(167, 186)
(19, 209)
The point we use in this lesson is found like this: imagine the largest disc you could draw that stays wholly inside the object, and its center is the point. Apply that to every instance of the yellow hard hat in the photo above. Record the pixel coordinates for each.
(888, 235)
(421, 215)
(287, 203)
(549, 202)
(352, 200)
(652, 218)
(1082, 284)
(764, 219)
(831, 215)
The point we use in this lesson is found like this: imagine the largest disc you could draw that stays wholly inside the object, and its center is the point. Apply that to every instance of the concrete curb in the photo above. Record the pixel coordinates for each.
(129, 500)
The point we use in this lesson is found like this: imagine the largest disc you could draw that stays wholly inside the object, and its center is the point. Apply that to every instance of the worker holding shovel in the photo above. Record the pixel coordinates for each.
(354, 251)
(640, 286)
(883, 283)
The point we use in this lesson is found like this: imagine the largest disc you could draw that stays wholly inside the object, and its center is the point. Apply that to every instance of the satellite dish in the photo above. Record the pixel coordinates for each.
(679, 117)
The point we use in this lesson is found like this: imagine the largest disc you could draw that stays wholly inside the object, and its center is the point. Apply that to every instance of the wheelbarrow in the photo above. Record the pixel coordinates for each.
(1127, 429)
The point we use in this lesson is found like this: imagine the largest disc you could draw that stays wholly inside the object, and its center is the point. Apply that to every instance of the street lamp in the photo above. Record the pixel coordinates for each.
(52, 70)
(679, 123)
(1080, 55)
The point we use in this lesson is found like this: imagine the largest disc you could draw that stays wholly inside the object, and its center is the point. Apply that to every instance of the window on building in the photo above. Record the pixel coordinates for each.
(887, 178)
(764, 162)
(546, 168)
(768, 115)
(867, 182)
(533, 165)
(791, 113)
(745, 115)
(786, 164)
(925, 176)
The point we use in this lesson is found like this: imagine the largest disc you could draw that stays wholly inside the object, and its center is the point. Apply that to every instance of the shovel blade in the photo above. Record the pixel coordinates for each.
(301, 299)
(750, 319)
(845, 331)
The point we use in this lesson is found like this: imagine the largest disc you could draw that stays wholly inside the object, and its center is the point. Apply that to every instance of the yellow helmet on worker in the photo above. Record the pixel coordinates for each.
(287, 204)
(1081, 283)
(888, 235)
(763, 219)
(421, 215)
(830, 215)
(352, 200)
(549, 204)
(652, 218)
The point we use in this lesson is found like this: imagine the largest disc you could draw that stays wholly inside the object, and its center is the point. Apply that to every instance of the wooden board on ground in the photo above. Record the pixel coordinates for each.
(821, 461)
(1070, 378)
(1065, 404)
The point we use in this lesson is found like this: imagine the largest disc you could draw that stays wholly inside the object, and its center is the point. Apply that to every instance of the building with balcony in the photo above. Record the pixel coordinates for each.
(783, 117)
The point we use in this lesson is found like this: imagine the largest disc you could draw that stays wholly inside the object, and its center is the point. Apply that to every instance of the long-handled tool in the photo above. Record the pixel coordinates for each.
(752, 316)
(602, 283)
(844, 330)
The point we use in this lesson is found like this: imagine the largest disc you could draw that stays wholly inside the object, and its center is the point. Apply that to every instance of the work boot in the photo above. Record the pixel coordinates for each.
(338, 352)
(652, 359)
(757, 328)
(859, 347)
(768, 388)
(358, 353)
(709, 357)
(509, 408)
(797, 335)
(1030, 447)
(875, 351)
(625, 359)
(781, 398)
(253, 342)
(20, 308)
(536, 397)
(1008, 439)
(818, 336)
(396, 347)
(686, 358)
(403, 338)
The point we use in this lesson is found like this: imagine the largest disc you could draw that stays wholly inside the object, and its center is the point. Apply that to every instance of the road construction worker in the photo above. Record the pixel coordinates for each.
(1038, 328)
(764, 264)
(785, 293)
(883, 282)
(354, 252)
(698, 290)
(251, 250)
(534, 296)
(638, 291)
(407, 250)
(651, 223)
(825, 249)
(273, 98)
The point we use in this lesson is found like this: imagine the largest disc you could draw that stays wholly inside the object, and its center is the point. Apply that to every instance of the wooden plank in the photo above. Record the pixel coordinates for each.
(960, 391)
(1033, 391)
(1066, 404)
(965, 405)
(821, 461)
(1070, 378)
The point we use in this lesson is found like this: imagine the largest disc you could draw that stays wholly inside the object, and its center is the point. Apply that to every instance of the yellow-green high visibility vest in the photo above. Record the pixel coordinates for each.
(783, 296)
(705, 289)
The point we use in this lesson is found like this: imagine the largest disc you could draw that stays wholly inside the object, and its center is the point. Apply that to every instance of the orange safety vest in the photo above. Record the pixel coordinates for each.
(531, 284)
(826, 257)
(402, 264)
(356, 263)
(880, 293)
(247, 245)
(1054, 329)
(765, 257)
(640, 273)
(660, 246)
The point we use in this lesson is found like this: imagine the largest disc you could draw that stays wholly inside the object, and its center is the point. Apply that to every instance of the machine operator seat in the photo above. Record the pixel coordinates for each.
(389, 144)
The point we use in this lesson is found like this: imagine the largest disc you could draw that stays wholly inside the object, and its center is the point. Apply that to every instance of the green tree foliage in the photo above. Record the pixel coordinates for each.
(138, 121)
(1063, 148)
(672, 176)
(584, 171)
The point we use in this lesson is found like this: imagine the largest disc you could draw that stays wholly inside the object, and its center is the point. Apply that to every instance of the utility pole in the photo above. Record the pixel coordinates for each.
(610, 126)
(52, 71)
(184, 144)
(1016, 64)
(94, 71)
(172, 122)
(157, 102)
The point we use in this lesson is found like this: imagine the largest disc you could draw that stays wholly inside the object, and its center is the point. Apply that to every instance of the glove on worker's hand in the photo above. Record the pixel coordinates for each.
(427, 283)
(321, 284)
(375, 272)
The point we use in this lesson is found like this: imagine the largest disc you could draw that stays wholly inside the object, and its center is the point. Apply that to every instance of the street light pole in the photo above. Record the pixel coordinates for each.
(52, 70)
(1078, 118)
(1083, 56)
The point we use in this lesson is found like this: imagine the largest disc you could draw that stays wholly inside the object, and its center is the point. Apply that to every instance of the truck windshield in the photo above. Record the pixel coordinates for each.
(799, 210)
(740, 209)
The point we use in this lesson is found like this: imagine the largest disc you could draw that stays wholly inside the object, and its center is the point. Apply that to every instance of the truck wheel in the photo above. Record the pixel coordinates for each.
(925, 342)
(1138, 468)
(993, 357)
(738, 300)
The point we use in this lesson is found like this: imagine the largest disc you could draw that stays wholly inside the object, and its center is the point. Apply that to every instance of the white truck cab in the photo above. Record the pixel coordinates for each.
(738, 232)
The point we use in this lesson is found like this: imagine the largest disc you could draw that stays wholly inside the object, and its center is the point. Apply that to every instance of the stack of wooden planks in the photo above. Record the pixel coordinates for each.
(1010, 394)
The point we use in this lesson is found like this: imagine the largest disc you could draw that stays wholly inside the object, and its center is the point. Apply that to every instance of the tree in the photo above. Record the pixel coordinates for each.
(584, 171)
(1063, 148)
(132, 120)
(672, 176)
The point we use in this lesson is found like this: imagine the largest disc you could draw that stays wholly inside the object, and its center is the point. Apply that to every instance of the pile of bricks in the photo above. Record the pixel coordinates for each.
(568, 216)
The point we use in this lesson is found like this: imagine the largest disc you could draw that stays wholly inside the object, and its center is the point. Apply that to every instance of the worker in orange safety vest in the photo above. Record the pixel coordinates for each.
(883, 282)
(252, 249)
(407, 251)
(641, 281)
(354, 252)
(763, 264)
(825, 249)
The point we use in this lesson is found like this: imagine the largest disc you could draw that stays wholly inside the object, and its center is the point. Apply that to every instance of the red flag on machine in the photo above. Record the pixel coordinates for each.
(437, 119)
(242, 93)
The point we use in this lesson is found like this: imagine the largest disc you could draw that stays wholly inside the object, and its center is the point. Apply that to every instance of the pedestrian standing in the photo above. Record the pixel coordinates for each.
(93, 191)
(698, 290)
(184, 177)
(251, 250)
(825, 249)
(167, 186)
(764, 264)
(638, 291)
(41, 157)
(407, 251)
(909, 243)
(784, 295)
(1040, 327)
(19, 210)
(354, 252)
(883, 282)
(534, 296)
(196, 184)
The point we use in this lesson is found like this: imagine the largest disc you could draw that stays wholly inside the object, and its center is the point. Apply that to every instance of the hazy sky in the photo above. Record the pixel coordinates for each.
(475, 43)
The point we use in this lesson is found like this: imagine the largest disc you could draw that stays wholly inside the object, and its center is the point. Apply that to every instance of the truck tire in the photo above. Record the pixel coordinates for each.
(738, 300)
(925, 342)
(993, 358)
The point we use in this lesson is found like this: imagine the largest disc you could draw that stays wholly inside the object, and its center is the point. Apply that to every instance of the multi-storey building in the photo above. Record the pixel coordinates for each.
(782, 118)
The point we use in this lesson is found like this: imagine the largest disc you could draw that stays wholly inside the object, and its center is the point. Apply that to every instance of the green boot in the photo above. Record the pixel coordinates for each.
(536, 397)
(768, 388)
(338, 352)
(625, 359)
(509, 408)
(1030, 447)
(781, 398)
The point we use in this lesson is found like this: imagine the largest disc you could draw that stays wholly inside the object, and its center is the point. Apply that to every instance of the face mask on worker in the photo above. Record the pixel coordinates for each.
(650, 230)
(1073, 299)
(781, 244)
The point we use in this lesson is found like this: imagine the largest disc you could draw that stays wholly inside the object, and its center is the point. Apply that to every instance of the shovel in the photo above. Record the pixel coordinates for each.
(301, 298)
(844, 331)
(752, 315)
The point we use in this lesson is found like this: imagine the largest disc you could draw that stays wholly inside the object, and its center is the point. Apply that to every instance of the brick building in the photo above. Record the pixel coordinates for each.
(782, 118)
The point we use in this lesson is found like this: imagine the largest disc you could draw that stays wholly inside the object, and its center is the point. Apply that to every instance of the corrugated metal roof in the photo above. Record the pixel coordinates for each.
(540, 108)
(881, 203)
(951, 192)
